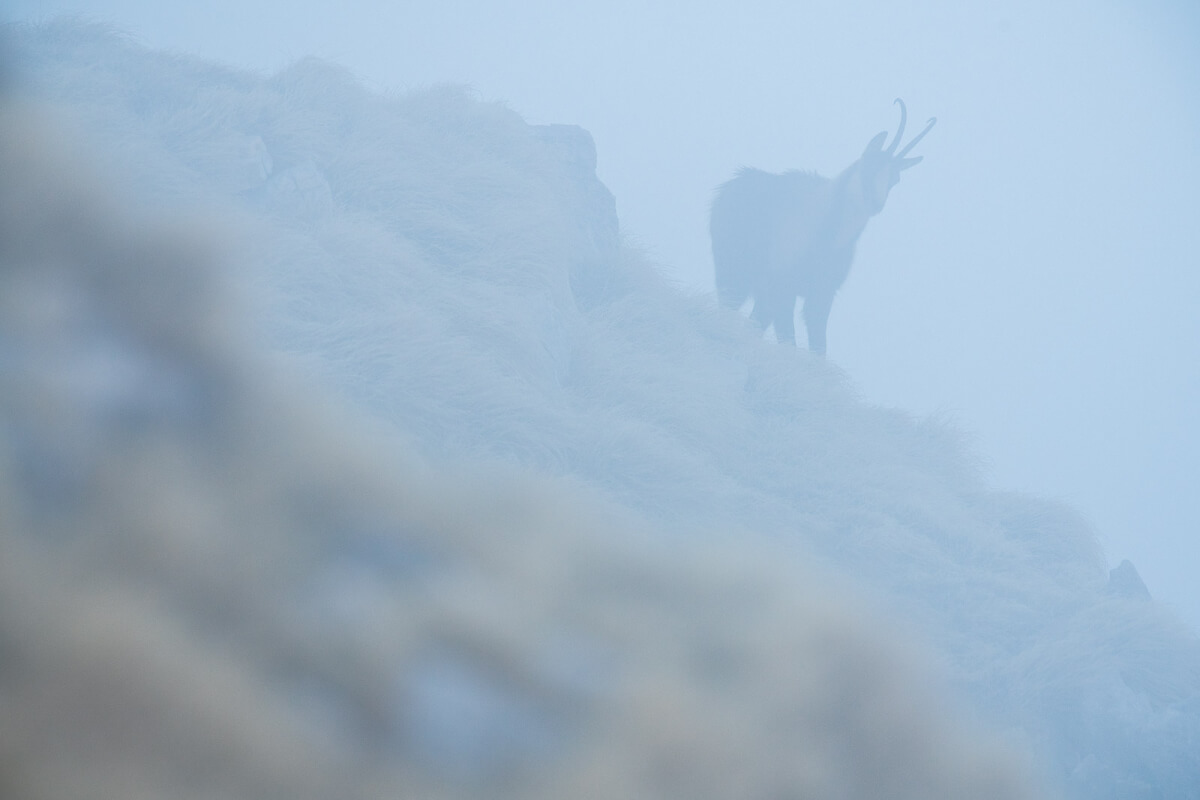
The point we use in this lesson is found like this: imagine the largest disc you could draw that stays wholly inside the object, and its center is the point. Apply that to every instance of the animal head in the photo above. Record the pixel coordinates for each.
(879, 169)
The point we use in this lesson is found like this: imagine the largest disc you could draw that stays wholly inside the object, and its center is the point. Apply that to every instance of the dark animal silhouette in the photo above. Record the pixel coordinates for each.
(779, 237)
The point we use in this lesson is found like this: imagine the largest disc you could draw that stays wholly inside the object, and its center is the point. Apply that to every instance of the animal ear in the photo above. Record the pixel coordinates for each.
(905, 163)
(876, 143)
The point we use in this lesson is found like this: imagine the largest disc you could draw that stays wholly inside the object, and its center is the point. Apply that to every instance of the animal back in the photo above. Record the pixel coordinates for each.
(755, 216)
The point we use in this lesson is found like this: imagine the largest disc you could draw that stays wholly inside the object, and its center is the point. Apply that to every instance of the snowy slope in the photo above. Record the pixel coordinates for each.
(456, 275)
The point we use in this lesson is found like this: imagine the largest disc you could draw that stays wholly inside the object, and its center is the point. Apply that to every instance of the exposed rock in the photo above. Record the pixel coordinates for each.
(1123, 580)
(593, 206)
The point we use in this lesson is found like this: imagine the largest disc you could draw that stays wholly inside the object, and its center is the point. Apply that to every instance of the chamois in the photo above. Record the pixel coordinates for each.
(779, 237)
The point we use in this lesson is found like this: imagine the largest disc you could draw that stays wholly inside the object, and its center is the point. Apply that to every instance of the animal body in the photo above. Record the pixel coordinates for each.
(777, 237)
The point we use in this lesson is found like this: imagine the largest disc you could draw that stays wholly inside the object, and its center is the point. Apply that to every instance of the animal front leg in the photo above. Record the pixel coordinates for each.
(816, 317)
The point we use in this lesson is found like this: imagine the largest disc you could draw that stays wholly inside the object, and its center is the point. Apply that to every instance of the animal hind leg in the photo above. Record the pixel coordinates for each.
(762, 313)
(778, 310)
(816, 318)
(785, 323)
(734, 278)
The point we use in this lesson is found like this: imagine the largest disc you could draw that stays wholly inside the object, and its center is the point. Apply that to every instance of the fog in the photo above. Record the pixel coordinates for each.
(1033, 280)
(221, 580)
(425, 270)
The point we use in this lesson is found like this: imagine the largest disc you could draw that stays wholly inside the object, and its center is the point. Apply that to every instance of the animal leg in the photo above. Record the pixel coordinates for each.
(816, 317)
(762, 312)
(776, 309)
(785, 322)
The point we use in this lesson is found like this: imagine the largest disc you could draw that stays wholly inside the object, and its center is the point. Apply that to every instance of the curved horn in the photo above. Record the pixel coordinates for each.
(899, 131)
(918, 138)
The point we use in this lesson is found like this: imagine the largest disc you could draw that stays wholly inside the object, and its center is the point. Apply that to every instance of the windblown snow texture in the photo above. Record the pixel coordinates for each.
(624, 570)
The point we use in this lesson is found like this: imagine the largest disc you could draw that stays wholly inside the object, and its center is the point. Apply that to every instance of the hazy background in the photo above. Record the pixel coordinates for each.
(1035, 279)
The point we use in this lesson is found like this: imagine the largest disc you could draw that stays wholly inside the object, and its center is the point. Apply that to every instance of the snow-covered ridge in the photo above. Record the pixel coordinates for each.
(457, 277)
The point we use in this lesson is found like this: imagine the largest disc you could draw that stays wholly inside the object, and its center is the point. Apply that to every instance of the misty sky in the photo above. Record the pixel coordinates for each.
(1034, 279)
